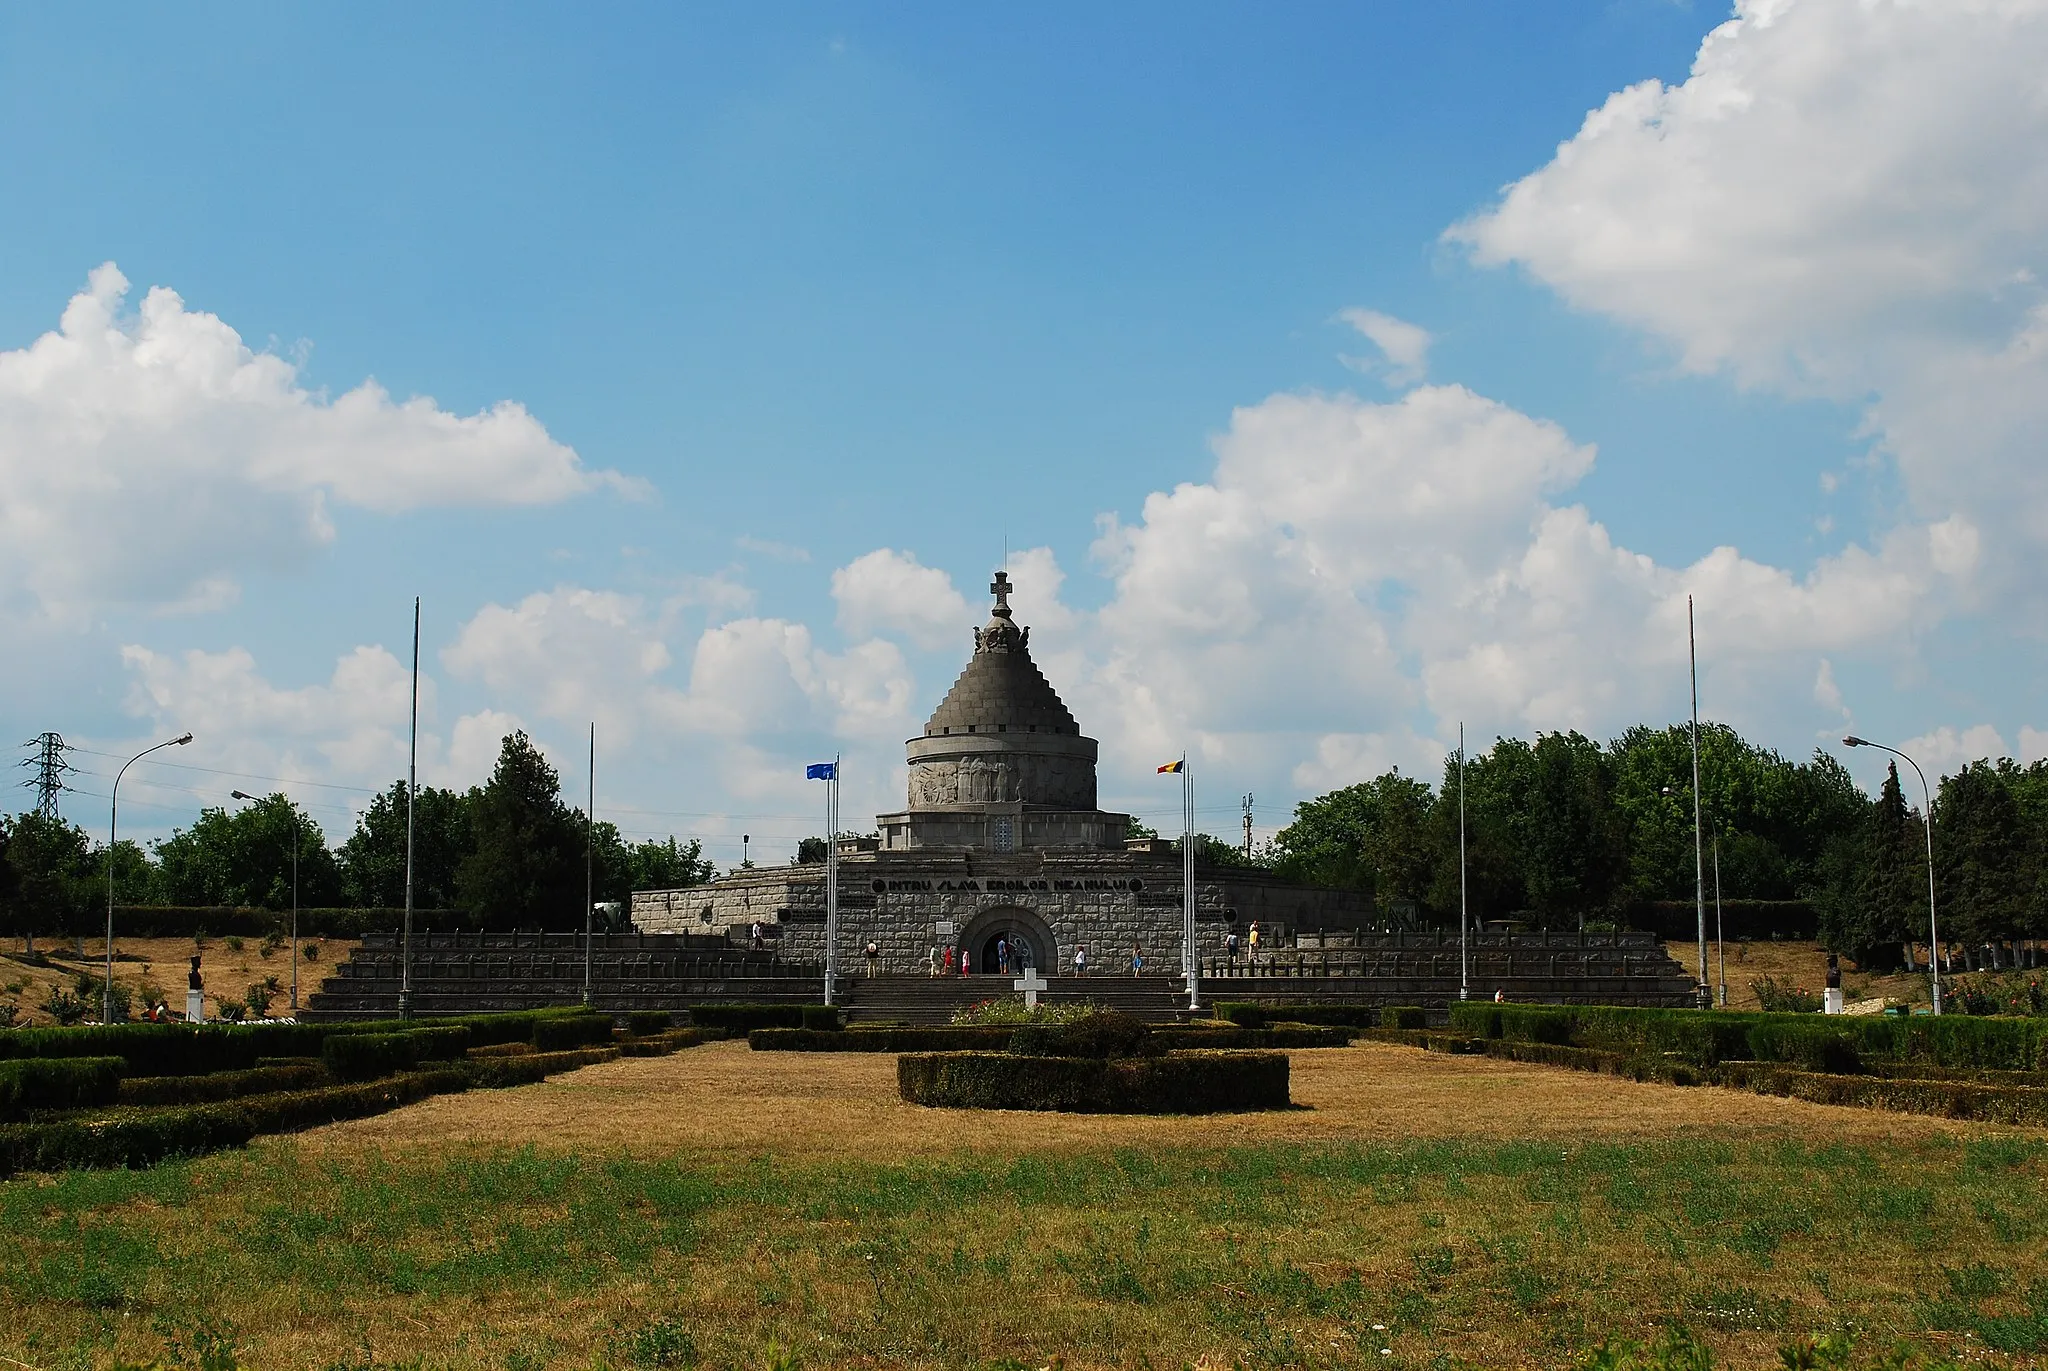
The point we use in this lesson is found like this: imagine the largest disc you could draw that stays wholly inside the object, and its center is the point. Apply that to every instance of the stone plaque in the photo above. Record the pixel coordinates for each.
(943, 929)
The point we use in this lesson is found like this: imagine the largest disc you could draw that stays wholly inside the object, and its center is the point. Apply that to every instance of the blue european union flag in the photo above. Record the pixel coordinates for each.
(822, 771)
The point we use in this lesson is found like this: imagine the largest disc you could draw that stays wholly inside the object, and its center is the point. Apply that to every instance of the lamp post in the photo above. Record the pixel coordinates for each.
(245, 795)
(1933, 928)
(113, 824)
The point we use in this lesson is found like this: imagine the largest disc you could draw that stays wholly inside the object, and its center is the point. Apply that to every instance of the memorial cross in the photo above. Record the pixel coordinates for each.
(1030, 983)
(1000, 588)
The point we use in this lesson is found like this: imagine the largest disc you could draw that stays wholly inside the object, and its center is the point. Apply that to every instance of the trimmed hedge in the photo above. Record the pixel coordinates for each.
(1105, 1034)
(1280, 1035)
(366, 1056)
(571, 1031)
(1260, 1014)
(966, 1038)
(57, 1083)
(1411, 1016)
(227, 1085)
(745, 1018)
(1705, 1037)
(493, 1073)
(822, 1017)
(675, 1040)
(1178, 1083)
(145, 1137)
(644, 1023)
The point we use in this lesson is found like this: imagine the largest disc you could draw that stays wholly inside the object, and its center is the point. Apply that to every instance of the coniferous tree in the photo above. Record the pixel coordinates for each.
(1892, 891)
(1979, 856)
(525, 868)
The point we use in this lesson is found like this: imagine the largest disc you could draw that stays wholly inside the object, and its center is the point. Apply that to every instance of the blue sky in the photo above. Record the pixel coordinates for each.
(818, 281)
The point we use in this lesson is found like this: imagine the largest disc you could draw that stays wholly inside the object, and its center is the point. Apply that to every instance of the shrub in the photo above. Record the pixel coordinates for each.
(65, 1007)
(1404, 1016)
(822, 1017)
(1178, 1083)
(497, 1072)
(1105, 1034)
(148, 1049)
(643, 1022)
(258, 995)
(987, 1037)
(225, 1085)
(562, 1033)
(1816, 1045)
(366, 1056)
(234, 942)
(1476, 1018)
(1784, 999)
(1259, 1014)
(311, 952)
(1012, 1010)
(60, 1083)
(744, 1018)
(139, 1140)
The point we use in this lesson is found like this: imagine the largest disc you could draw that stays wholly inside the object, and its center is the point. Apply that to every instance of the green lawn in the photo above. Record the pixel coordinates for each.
(1447, 1254)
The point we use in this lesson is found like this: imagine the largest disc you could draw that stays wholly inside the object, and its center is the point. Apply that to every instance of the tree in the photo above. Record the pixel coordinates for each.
(666, 865)
(1980, 855)
(808, 851)
(373, 859)
(49, 876)
(1375, 836)
(243, 857)
(1876, 883)
(1575, 844)
(525, 868)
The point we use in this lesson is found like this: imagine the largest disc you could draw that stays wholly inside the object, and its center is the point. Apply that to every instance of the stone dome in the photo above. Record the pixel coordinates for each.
(1001, 690)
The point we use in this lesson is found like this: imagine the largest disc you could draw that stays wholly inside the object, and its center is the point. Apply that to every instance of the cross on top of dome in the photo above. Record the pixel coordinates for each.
(1000, 588)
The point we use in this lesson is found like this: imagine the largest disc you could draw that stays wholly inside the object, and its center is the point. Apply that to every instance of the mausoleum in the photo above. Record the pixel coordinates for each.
(1000, 839)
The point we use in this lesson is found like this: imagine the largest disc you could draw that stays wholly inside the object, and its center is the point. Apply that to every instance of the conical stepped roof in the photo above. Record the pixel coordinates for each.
(1001, 690)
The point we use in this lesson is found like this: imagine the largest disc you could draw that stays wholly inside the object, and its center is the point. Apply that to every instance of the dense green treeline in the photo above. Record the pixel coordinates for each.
(508, 853)
(1564, 829)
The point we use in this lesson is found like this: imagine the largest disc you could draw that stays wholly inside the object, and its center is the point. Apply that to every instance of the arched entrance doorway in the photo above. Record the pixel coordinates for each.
(1029, 940)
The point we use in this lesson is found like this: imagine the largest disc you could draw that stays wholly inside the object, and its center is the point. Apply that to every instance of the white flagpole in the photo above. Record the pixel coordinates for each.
(1699, 856)
(412, 787)
(831, 879)
(1190, 962)
(1464, 921)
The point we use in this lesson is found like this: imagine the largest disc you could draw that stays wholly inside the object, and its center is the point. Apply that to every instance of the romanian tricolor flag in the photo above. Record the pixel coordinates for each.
(1180, 765)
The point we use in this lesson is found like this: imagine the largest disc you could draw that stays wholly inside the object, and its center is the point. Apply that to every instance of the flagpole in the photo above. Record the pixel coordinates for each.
(831, 878)
(412, 785)
(1699, 856)
(1464, 921)
(1190, 962)
(589, 856)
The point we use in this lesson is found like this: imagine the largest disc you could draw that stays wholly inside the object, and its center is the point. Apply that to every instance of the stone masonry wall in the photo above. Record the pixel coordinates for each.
(1105, 900)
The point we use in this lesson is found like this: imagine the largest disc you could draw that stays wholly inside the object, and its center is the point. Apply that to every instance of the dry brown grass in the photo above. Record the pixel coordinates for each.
(1503, 1214)
(1791, 964)
(161, 962)
(724, 1100)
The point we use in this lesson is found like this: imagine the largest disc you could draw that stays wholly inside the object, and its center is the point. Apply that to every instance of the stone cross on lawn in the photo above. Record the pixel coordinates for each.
(1030, 983)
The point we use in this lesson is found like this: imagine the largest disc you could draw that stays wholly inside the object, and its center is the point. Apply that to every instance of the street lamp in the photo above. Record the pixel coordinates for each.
(1933, 929)
(113, 823)
(245, 795)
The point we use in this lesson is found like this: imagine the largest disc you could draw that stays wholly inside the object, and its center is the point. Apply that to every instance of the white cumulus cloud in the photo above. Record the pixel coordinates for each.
(1405, 346)
(886, 591)
(149, 458)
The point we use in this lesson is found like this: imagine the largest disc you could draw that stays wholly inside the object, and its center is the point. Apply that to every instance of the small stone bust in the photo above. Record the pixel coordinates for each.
(192, 981)
(1834, 972)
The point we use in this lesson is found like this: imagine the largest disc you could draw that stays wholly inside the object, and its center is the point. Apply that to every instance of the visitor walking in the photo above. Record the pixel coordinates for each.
(966, 960)
(1252, 942)
(949, 961)
(874, 955)
(754, 936)
(1137, 961)
(932, 963)
(1080, 961)
(1230, 948)
(1002, 956)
